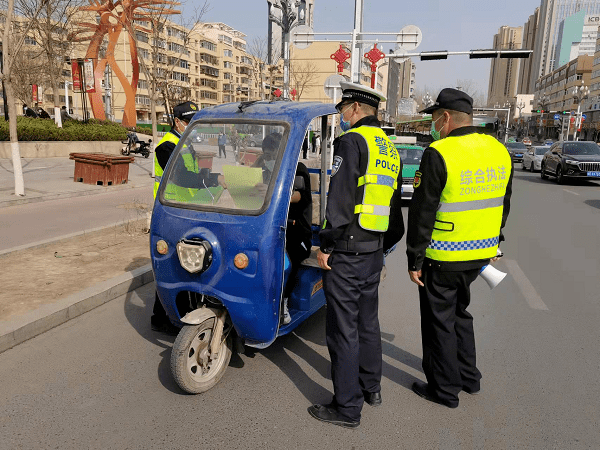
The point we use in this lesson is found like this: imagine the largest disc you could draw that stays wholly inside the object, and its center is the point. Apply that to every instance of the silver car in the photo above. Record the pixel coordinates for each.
(532, 158)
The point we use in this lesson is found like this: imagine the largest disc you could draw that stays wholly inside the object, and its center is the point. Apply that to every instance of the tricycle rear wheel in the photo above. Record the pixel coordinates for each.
(192, 365)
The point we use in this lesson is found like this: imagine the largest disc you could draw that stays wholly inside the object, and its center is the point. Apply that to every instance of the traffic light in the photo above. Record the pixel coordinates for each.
(541, 111)
(566, 112)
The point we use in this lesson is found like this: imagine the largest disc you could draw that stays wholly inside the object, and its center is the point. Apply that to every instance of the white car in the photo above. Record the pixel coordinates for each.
(532, 158)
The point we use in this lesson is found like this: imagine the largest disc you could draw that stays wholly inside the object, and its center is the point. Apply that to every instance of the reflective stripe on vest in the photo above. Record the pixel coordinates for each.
(471, 205)
(469, 217)
(158, 171)
(379, 181)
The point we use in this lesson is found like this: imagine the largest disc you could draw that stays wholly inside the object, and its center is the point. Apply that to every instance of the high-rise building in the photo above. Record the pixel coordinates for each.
(305, 16)
(552, 13)
(504, 71)
(530, 30)
(577, 36)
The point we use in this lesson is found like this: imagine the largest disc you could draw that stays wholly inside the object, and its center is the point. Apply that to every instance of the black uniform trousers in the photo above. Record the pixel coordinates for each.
(353, 335)
(449, 359)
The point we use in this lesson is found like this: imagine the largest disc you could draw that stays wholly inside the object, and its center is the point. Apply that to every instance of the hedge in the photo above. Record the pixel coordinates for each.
(30, 129)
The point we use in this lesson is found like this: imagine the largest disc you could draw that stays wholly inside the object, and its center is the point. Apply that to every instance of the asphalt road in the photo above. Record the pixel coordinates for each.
(102, 381)
(33, 222)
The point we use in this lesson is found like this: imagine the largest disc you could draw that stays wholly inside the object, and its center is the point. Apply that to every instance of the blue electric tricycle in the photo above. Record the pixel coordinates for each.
(218, 240)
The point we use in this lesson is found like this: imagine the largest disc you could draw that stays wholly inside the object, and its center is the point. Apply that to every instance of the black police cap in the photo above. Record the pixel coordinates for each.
(185, 111)
(451, 99)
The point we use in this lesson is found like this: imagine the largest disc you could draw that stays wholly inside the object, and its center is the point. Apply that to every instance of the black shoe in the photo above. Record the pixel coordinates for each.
(164, 327)
(468, 390)
(330, 415)
(372, 398)
(421, 389)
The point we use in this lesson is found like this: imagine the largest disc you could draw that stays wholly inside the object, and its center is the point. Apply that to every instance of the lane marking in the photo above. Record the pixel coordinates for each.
(531, 296)
(570, 192)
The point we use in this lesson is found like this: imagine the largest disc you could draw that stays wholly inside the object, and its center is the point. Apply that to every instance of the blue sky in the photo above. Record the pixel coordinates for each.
(453, 25)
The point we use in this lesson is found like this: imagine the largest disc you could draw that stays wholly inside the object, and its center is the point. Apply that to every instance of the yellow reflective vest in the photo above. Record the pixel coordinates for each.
(191, 164)
(380, 179)
(469, 216)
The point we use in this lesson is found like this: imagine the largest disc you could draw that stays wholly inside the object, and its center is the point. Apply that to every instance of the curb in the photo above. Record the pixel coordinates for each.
(45, 318)
(43, 198)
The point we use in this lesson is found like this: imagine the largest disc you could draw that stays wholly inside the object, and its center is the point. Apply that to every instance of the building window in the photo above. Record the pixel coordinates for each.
(226, 39)
(208, 45)
(227, 53)
(30, 41)
(141, 37)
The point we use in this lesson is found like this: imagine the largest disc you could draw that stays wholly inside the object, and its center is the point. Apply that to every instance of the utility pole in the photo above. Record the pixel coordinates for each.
(356, 48)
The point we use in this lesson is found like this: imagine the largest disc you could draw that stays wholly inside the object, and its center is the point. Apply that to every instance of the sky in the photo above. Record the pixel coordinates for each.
(453, 25)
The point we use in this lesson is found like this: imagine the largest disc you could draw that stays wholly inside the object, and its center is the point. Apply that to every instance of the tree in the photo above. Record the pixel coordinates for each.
(471, 88)
(303, 75)
(51, 29)
(258, 56)
(14, 34)
(160, 77)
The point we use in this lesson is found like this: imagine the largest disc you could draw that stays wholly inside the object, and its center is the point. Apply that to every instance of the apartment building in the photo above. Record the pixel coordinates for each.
(504, 73)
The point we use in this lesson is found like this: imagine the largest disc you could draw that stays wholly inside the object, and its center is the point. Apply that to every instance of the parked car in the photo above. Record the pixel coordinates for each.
(527, 141)
(577, 159)
(411, 160)
(254, 140)
(548, 142)
(516, 150)
(532, 158)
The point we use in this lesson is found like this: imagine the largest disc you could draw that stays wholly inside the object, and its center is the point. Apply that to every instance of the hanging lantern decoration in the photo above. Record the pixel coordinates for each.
(294, 92)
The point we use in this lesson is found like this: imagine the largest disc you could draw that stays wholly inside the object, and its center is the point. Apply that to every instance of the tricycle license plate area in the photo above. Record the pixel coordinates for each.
(239, 183)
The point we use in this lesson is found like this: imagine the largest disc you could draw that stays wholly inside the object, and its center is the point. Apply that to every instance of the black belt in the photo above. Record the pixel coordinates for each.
(353, 246)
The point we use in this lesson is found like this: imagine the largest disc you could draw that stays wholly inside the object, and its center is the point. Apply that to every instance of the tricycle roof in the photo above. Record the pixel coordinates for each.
(281, 111)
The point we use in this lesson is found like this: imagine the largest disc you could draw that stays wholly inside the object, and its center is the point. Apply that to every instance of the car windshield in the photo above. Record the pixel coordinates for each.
(541, 150)
(516, 146)
(241, 180)
(581, 148)
(410, 155)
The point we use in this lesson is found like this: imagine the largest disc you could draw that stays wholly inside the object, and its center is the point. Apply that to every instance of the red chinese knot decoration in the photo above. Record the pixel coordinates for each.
(340, 56)
(277, 93)
(293, 92)
(374, 55)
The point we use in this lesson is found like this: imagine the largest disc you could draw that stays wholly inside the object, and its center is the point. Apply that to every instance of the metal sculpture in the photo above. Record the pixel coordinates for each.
(116, 17)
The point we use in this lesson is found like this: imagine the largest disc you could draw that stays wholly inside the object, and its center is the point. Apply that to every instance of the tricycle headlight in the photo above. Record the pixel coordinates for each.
(194, 256)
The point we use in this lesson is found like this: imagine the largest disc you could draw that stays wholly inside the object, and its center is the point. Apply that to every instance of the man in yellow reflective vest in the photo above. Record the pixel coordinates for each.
(459, 207)
(363, 220)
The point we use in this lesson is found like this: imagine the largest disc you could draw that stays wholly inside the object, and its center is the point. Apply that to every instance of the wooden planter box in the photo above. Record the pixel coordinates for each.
(101, 169)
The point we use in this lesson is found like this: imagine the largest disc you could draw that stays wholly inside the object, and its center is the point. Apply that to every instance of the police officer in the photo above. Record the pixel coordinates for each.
(459, 206)
(363, 219)
(192, 178)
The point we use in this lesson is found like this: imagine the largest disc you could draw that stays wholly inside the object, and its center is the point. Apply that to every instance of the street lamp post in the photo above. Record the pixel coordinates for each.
(580, 93)
(520, 107)
(542, 103)
(287, 22)
(508, 105)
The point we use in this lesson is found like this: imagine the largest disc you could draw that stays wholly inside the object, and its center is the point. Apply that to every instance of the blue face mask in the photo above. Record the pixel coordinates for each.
(344, 124)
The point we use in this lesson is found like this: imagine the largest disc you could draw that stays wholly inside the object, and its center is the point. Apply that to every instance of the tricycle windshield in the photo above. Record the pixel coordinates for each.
(239, 182)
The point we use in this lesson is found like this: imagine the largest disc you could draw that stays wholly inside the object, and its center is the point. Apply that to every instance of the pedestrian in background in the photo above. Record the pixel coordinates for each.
(313, 143)
(363, 219)
(460, 204)
(222, 140)
(305, 147)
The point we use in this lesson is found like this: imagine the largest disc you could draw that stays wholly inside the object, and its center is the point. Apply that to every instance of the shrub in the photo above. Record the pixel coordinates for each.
(30, 129)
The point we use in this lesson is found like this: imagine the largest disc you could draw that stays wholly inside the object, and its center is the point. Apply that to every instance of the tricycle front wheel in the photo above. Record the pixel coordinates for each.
(195, 370)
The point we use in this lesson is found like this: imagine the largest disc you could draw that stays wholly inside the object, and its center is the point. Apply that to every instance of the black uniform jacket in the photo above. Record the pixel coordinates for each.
(342, 231)
(425, 203)
(185, 178)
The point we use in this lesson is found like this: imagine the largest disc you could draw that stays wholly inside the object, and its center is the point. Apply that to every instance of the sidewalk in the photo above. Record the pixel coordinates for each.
(52, 178)
(33, 311)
